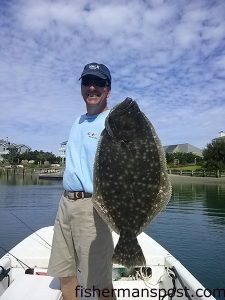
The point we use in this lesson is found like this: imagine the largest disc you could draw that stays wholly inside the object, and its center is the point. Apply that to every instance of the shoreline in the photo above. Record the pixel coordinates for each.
(198, 180)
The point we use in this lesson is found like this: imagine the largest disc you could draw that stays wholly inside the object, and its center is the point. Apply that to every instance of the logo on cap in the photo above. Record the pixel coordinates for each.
(93, 67)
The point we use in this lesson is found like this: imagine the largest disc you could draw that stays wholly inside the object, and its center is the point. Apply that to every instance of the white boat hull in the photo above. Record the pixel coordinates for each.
(35, 252)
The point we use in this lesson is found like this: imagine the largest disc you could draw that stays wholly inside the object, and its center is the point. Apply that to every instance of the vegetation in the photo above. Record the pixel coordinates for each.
(214, 155)
(180, 159)
(189, 167)
(33, 157)
(12, 156)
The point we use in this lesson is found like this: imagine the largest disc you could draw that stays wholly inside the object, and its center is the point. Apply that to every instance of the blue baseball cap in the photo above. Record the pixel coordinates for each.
(98, 70)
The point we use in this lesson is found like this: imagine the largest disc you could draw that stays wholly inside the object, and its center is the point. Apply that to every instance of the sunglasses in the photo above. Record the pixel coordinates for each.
(87, 81)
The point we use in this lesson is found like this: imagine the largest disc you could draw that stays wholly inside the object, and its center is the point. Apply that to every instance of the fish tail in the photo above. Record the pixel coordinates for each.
(128, 251)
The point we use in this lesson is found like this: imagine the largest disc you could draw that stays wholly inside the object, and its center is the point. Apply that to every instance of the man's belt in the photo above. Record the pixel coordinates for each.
(77, 195)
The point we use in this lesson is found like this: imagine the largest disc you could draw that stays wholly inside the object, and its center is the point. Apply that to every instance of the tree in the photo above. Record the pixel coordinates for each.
(183, 158)
(40, 157)
(214, 155)
(13, 155)
(169, 157)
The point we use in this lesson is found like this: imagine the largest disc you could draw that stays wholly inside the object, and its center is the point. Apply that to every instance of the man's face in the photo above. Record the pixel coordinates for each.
(94, 90)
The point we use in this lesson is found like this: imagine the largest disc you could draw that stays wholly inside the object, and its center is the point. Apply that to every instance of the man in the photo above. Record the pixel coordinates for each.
(82, 242)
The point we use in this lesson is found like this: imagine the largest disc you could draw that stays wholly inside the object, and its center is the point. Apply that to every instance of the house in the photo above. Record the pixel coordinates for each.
(62, 151)
(6, 145)
(3, 148)
(221, 135)
(185, 148)
(22, 148)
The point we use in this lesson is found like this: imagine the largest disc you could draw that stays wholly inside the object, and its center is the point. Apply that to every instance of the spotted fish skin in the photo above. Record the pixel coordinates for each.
(131, 184)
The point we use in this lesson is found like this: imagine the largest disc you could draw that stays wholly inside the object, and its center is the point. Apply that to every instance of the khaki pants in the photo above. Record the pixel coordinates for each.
(81, 242)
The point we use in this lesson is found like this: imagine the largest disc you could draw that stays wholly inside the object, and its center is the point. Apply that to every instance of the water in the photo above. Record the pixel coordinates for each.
(192, 227)
(32, 200)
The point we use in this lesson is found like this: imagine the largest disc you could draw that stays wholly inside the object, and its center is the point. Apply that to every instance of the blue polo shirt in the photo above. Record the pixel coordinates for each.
(80, 152)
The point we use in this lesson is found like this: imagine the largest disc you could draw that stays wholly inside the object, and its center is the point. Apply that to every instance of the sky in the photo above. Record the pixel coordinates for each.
(167, 55)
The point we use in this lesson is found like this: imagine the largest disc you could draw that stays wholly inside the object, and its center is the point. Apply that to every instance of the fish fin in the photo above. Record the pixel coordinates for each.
(128, 251)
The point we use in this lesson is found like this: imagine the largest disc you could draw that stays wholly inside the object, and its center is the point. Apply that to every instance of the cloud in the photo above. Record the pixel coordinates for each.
(168, 55)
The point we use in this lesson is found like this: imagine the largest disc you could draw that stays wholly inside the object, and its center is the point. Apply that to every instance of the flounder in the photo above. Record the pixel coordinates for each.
(131, 184)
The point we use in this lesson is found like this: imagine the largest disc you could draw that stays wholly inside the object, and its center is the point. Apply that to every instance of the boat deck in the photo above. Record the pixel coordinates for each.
(150, 282)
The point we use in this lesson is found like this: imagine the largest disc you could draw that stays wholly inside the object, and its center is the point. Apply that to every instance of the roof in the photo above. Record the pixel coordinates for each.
(170, 148)
(3, 142)
(22, 145)
(12, 145)
(185, 148)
